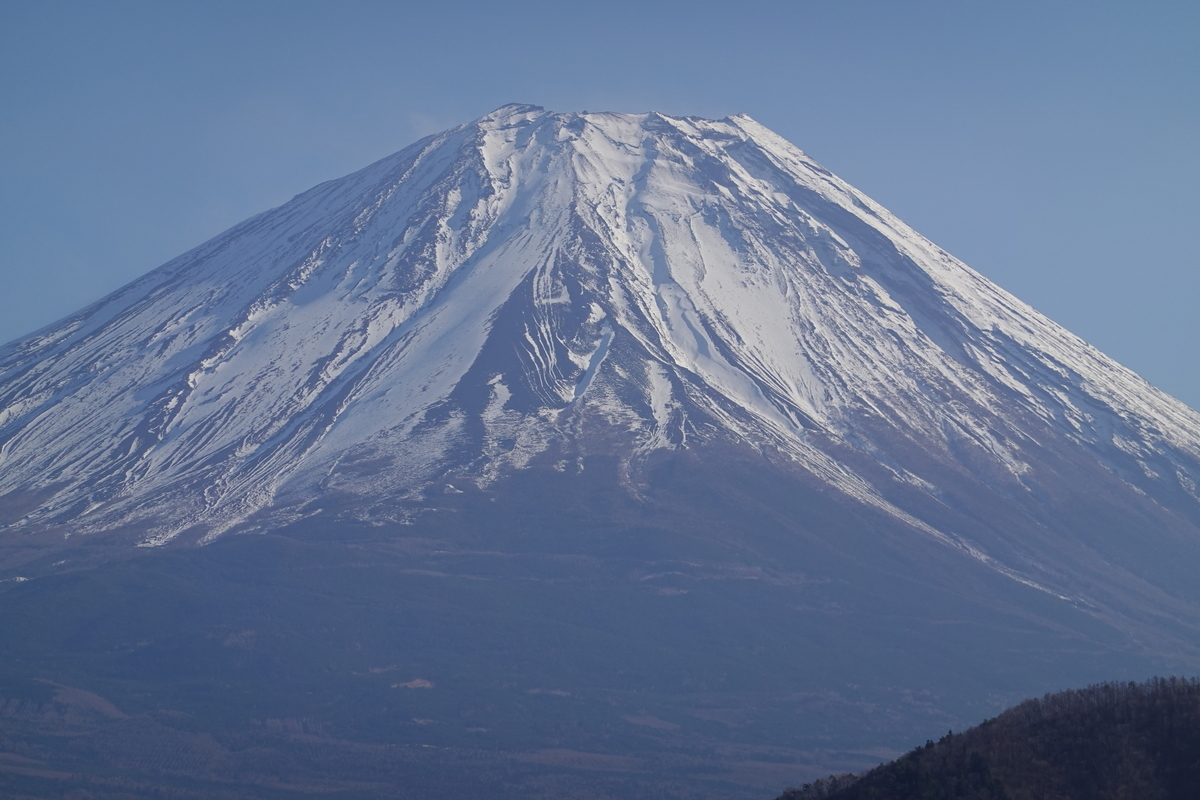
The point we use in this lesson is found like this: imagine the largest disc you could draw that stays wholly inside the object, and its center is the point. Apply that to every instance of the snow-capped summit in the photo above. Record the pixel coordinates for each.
(598, 453)
(537, 287)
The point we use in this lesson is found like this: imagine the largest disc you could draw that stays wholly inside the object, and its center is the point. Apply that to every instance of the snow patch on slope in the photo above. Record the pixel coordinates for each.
(488, 293)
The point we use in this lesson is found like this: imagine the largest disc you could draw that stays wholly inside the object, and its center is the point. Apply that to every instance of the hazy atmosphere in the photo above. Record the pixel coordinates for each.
(1051, 146)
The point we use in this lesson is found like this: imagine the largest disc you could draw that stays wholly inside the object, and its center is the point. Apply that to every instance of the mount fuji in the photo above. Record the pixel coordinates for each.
(684, 432)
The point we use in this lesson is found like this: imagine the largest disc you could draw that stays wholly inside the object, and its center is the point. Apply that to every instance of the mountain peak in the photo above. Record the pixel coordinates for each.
(512, 112)
(702, 449)
(471, 304)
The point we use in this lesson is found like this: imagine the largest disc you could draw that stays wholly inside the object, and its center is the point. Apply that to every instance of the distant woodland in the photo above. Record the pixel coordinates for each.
(1111, 741)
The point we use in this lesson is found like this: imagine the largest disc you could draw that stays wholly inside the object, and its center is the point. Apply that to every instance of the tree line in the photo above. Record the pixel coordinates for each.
(1109, 741)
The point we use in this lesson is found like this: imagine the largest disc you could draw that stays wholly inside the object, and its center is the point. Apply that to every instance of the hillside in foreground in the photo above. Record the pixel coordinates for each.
(1111, 740)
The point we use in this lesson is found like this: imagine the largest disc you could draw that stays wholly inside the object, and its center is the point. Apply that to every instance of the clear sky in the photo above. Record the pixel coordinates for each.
(1054, 146)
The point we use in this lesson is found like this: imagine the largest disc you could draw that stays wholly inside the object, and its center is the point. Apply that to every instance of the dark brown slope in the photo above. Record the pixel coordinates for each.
(1111, 740)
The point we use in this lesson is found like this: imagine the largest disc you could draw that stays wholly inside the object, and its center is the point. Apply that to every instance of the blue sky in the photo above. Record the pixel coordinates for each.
(1053, 146)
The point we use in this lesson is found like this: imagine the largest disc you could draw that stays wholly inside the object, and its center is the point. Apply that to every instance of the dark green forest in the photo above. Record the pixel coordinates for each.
(1110, 741)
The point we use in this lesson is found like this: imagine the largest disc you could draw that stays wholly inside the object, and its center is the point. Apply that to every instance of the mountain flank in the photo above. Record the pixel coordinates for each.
(570, 454)
(1110, 740)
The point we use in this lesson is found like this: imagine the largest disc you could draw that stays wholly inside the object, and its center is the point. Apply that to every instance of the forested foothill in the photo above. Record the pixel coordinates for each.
(1111, 740)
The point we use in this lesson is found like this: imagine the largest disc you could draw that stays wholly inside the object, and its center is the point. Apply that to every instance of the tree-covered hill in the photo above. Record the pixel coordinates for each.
(1106, 742)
